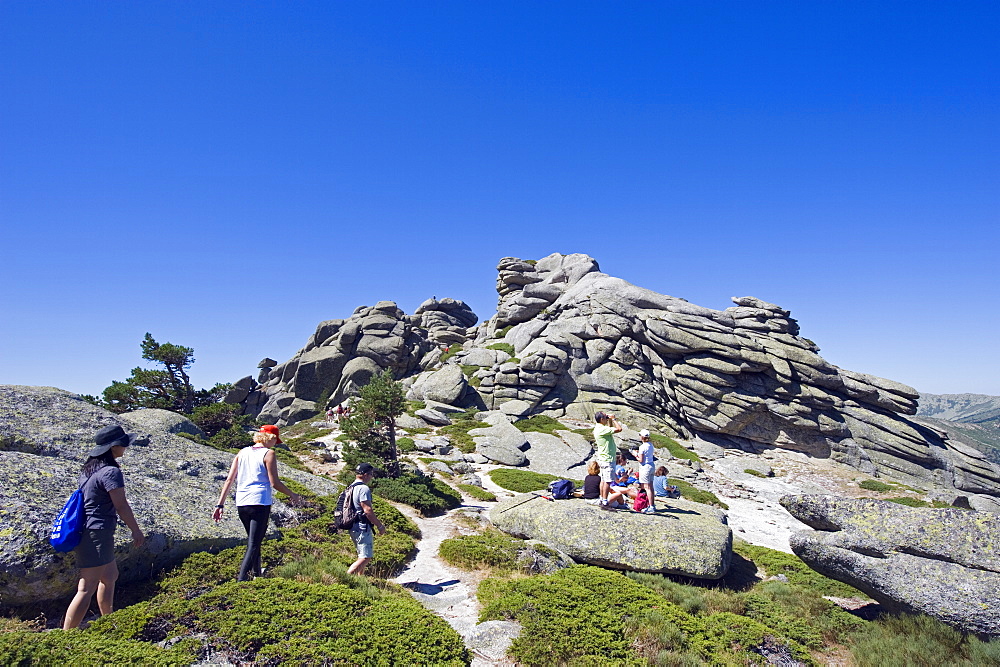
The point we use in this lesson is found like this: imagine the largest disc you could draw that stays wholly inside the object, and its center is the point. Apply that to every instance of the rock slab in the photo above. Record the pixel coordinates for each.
(940, 562)
(687, 539)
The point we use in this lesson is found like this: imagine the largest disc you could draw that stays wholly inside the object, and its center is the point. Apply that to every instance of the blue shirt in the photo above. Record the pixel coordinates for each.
(660, 485)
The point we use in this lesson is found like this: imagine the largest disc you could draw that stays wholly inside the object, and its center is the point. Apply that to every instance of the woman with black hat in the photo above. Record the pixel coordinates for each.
(103, 488)
(255, 473)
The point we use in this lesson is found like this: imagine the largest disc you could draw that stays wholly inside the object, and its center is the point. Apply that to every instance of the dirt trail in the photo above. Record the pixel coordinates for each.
(445, 590)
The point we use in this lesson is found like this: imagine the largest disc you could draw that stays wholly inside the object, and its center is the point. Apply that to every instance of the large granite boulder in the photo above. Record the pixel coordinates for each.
(742, 377)
(687, 539)
(343, 354)
(171, 482)
(940, 562)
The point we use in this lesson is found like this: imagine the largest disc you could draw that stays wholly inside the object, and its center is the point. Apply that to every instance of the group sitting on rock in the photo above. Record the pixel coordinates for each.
(615, 484)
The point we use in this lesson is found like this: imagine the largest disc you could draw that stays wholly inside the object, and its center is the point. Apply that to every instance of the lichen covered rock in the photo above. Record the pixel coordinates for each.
(687, 538)
(940, 562)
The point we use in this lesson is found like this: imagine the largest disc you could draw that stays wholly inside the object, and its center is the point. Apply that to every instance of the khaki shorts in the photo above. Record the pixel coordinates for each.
(607, 471)
(364, 540)
(646, 473)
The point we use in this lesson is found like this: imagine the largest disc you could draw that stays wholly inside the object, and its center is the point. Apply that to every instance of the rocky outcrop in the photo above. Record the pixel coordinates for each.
(742, 377)
(171, 482)
(687, 539)
(940, 562)
(343, 355)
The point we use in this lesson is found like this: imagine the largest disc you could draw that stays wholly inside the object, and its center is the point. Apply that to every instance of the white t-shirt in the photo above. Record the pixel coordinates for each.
(646, 456)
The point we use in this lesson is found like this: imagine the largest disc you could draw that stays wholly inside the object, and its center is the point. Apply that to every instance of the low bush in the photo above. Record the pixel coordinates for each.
(500, 333)
(916, 502)
(426, 494)
(697, 495)
(675, 448)
(918, 640)
(775, 562)
(488, 549)
(477, 492)
(413, 406)
(585, 615)
(539, 424)
(502, 347)
(755, 473)
(522, 481)
(271, 621)
(458, 433)
(86, 649)
(405, 445)
(874, 485)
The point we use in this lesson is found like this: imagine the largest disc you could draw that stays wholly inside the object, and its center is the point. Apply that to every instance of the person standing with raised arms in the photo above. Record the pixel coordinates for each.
(604, 444)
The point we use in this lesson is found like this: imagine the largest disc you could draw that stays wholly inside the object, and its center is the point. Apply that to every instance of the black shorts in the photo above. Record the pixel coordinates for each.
(96, 548)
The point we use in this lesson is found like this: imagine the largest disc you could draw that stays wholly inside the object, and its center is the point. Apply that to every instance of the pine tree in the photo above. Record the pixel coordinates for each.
(372, 422)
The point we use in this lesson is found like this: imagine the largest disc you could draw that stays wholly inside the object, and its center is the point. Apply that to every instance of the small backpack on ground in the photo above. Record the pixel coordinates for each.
(673, 491)
(345, 514)
(641, 501)
(561, 489)
(67, 529)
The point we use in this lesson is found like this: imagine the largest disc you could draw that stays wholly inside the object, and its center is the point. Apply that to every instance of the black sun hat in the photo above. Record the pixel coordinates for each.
(108, 437)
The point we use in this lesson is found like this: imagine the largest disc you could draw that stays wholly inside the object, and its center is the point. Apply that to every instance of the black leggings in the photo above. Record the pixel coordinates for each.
(254, 518)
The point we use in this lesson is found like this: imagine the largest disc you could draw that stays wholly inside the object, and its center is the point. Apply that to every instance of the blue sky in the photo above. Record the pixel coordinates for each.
(227, 175)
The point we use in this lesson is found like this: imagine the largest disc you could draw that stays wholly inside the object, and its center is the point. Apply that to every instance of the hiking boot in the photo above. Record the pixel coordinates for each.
(607, 507)
(649, 510)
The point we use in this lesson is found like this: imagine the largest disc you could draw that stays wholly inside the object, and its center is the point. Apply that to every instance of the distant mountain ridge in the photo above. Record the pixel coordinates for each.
(961, 408)
(974, 416)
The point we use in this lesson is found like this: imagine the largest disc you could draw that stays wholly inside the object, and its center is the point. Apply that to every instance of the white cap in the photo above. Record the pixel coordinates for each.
(643, 433)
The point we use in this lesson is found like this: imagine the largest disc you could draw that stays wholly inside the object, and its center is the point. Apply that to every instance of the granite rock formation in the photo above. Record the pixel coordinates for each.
(940, 562)
(171, 482)
(687, 539)
(343, 355)
(741, 377)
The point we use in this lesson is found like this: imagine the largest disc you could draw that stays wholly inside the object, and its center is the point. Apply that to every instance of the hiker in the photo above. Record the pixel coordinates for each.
(646, 460)
(604, 444)
(255, 472)
(103, 487)
(361, 531)
(339, 412)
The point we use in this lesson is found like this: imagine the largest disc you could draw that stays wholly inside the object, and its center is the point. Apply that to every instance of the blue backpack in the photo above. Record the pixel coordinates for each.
(561, 489)
(68, 526)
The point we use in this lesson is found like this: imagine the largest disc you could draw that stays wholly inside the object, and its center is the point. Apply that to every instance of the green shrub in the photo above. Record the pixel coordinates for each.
(918, 640)
(426, 494)
(458, 433)
(502, 347)
(500, 333)
(413, 406)
(477, 492)
(587, 433)
(469, 369)
(522, 481)
(873, 485)
(775, 562)
(675, 448)
(453, 349)
(488, 549)
(84, 648)
(272, 621)
(539, 424)
(916, 502)
(405, 445)
(697, 495)
(755, 473)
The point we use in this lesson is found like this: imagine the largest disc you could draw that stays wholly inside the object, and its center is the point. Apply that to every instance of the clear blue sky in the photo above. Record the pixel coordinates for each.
(226, 175)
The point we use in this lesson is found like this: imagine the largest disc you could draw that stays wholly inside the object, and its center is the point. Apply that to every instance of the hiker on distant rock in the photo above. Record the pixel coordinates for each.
(604, 443)
(103, 487)
(339, 412)
(646, 461)
(255, 472)
(361, 530)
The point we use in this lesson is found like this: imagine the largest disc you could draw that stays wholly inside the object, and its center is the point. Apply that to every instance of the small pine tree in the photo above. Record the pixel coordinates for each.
(372, 422)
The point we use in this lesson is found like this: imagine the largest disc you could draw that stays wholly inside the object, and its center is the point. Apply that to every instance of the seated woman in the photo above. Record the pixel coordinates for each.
(623, 485)
(660, 482)
(591, 483)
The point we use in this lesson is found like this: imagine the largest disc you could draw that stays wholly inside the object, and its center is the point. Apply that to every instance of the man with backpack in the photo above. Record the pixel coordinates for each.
(361, 529)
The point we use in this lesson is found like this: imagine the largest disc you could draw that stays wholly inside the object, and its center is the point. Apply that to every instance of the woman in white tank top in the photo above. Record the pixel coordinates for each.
(255, 472)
